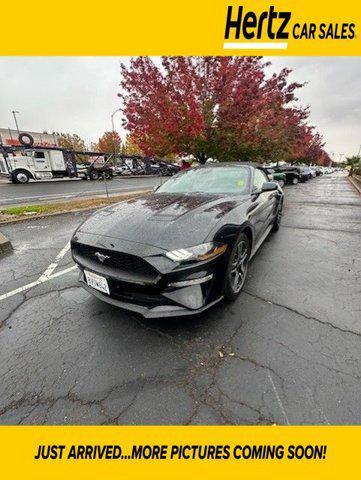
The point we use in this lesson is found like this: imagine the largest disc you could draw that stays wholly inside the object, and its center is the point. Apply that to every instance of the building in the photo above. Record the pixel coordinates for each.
(9, 136)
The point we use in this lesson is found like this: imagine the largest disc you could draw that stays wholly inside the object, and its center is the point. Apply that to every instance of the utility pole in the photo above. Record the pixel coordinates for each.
(14, 112)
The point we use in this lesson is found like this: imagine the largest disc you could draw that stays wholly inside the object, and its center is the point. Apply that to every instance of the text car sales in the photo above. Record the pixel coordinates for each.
(277, 26)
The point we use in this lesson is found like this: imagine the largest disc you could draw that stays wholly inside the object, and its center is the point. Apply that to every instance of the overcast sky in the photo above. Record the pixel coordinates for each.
(78, 95)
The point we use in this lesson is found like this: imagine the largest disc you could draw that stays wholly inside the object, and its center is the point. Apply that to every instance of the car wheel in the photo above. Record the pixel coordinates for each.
(237, 268)
(94, 175)
(294, 181)
(277, 220)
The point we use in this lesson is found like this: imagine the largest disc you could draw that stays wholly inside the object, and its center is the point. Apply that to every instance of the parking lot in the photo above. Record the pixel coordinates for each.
(288, 351)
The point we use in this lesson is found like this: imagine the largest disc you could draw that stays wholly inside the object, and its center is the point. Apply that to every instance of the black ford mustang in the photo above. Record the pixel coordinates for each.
(183, 248)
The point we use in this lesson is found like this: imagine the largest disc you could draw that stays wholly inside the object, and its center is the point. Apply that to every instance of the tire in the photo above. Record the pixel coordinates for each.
(294, 180)
(20, 176)
(94, 175)
(232, 284)
(26, 143)
(277, 221)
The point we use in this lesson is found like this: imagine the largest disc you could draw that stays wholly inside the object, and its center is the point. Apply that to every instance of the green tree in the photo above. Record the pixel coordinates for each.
(354, 163)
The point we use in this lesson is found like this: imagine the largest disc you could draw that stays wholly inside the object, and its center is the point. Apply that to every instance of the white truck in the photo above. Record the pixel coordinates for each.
(21, 165)
(38, 164)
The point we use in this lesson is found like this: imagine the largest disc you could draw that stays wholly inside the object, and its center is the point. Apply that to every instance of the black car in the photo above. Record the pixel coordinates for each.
(305, 173)
(183, 248)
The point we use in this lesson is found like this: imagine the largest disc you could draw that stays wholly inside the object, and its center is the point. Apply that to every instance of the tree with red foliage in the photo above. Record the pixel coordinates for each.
(226, 108)
(110, 142)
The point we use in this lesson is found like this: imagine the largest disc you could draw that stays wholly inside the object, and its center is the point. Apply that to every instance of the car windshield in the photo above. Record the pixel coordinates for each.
(209, 180)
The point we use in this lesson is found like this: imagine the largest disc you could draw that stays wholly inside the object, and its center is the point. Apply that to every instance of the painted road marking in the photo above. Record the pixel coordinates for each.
(37, 282)
(52, 266)
(278, 399)
(46, 276)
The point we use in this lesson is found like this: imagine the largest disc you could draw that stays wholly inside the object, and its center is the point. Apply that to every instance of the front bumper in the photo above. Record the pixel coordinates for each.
(160, 311)
(136, 285)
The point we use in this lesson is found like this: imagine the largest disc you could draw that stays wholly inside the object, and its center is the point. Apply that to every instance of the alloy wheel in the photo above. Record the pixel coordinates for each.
(239, 266)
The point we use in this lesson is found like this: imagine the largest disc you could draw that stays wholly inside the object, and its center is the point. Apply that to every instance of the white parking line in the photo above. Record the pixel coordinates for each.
(278, 399)
(37, 282)
(46, 276)
(62, 252)
(62, 272)
(48, 272)
(52, 266)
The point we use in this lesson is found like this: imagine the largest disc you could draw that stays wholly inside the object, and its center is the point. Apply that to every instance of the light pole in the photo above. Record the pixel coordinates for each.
(113, 130)
(112, 117)
(14, 112)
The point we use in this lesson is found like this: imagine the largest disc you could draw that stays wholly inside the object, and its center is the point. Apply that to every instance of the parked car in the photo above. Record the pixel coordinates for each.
(123, 170)
(292, 173)
(305, 173)
(277, 176)
(313, 171)
(183, 248)
(95, 170)
(168, 169)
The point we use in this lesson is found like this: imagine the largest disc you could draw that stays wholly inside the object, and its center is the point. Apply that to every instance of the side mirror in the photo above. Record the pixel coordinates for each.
(269, 186)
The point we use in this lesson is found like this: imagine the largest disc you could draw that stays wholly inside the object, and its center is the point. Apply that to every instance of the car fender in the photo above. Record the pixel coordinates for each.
(229, 232)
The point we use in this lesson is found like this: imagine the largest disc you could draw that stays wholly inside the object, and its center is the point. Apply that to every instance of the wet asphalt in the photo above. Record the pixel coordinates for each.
(33, 193)
(288, 351)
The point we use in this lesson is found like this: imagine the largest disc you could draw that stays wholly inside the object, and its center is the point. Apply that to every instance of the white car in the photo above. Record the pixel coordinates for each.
(313, 171)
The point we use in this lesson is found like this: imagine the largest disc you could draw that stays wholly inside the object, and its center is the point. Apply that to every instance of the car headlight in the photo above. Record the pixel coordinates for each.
(205, 251)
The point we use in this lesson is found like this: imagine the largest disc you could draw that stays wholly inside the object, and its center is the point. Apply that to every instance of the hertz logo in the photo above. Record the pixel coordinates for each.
(274, 25)
(252, 26)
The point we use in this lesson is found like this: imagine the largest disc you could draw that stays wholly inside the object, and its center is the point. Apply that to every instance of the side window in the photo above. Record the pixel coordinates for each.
(39, 155)
(259, 179)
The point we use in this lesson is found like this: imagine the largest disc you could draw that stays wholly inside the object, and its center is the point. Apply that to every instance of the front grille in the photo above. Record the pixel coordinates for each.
(143, 296)
(118, 260)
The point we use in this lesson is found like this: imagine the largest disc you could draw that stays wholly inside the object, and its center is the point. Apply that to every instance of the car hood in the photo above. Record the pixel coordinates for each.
(167, 221)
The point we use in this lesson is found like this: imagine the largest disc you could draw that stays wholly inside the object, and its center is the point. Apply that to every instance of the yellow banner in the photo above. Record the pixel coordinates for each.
(107, 452)
(187, 27)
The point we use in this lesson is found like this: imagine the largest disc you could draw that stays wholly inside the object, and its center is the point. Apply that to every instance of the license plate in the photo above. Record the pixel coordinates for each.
(96, 281)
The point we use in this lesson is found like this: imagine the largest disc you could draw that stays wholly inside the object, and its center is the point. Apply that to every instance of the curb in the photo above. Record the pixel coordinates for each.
(46, 215)
(355, 184)
(54, 214)
(5, 245)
